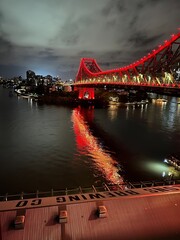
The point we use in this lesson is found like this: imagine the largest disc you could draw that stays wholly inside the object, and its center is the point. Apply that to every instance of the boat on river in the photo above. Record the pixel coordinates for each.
(142, 102)
(22, 93)
(25, 95)
(172, 161)
(114, 103)
(163, 100)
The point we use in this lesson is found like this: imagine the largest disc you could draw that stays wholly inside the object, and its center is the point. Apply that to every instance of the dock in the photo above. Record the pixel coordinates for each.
(143, 212)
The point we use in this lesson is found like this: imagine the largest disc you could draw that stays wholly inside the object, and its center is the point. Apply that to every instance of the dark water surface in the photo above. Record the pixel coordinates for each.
(46, 146)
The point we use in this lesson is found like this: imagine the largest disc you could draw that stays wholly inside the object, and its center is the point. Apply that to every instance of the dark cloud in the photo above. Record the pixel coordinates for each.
(133, 21)
(5, 46)
(112, 65)
(140, 5)
(105, 65)
(140, 39)
(70, 33)
(52, 36)
(113, 55)
(51, 58)
(46, 52)
(120, 5)
(154, 2)
(49, 55)
(113, 6)
(84, 54)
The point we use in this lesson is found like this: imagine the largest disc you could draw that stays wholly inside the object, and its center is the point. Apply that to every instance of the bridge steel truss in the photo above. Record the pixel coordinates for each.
(157, 69)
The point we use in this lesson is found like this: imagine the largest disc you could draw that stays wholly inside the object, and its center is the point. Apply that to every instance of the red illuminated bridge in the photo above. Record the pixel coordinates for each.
(159, 69)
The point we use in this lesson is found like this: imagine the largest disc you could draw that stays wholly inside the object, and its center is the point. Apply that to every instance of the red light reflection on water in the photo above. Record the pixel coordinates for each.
(86, 142)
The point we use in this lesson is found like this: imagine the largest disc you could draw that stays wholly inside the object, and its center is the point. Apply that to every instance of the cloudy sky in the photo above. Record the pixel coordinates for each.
(51, 36)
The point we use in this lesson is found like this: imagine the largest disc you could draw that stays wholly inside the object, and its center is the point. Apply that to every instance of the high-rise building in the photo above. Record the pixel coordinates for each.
(30, 75)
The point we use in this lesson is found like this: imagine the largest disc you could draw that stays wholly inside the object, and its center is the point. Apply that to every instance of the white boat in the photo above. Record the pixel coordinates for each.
(114, 103)
(25, 95)
(161, 100)
(20, 91)
(131, 103)
(34, 96)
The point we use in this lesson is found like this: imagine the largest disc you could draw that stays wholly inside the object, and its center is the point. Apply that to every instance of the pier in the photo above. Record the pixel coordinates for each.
(145, 210)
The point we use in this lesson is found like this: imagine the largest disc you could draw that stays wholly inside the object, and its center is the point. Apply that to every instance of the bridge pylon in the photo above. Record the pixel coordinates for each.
(86, 93)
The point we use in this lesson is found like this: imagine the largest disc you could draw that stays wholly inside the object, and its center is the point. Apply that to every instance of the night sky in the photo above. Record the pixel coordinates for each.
(51, 36)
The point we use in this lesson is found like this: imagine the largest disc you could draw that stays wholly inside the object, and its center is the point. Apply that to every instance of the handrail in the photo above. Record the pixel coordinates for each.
(81, 190)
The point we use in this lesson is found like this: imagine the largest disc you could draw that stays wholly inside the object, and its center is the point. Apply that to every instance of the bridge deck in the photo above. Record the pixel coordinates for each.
(148, 213)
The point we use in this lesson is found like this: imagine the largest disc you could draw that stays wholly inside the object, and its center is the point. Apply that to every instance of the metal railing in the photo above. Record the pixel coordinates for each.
(91, 189)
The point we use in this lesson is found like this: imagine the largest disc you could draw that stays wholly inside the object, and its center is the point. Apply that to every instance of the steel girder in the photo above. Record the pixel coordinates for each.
(157, 67)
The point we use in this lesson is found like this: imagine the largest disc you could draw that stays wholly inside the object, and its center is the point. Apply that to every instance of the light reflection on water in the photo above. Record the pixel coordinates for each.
(162, 169)
(88, 144)
(46, 146)
(150, 130)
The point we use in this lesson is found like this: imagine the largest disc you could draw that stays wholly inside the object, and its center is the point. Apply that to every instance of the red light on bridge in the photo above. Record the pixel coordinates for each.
(85, 72)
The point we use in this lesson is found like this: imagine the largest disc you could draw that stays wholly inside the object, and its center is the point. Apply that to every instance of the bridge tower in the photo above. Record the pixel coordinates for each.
(86, 67)
(86, 93)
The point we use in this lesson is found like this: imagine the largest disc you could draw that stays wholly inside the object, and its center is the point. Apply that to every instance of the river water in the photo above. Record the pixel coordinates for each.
(47, 146)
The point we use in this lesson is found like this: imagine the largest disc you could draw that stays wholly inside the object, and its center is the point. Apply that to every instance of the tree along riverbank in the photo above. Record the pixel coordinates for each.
(102, 98)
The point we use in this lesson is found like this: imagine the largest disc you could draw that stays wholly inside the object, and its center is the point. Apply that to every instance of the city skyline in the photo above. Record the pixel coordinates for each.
(50, 37)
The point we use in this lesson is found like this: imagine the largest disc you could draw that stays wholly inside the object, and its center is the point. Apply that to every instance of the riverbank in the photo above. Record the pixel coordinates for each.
(71, 101)
(102, 98)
